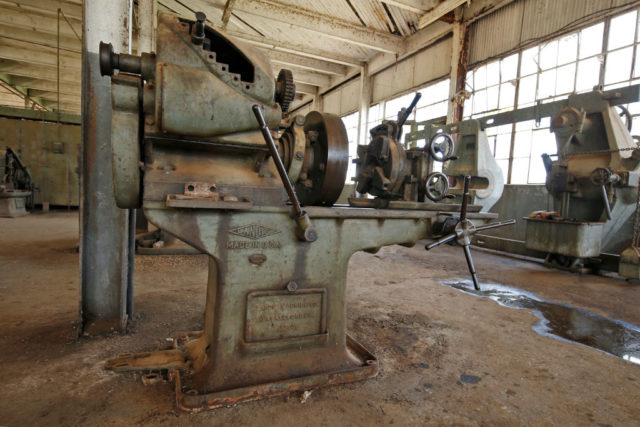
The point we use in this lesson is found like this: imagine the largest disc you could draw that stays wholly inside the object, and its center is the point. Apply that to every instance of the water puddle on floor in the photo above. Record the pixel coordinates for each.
(565, 322)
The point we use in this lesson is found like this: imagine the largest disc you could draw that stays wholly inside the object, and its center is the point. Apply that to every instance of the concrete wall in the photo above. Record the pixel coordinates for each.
(53, 166)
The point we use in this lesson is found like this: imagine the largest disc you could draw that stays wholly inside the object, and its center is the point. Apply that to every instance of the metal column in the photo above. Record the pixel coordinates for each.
(363, 105)
(105, 260)
(147, 16)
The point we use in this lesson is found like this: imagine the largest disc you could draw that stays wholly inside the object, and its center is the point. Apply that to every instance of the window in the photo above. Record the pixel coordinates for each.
(600, 54)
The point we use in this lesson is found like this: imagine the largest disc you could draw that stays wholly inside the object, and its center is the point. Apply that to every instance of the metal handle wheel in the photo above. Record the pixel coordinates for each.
(437, 186)
(441, 147)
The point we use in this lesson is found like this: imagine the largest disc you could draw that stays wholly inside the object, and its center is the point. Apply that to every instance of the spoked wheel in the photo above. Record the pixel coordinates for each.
(463, 231)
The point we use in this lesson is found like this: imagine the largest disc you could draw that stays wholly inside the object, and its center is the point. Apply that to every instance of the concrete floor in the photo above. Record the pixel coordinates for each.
(426, 336)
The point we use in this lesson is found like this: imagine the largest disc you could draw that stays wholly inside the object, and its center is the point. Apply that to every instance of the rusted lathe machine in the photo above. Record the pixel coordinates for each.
(199, 142)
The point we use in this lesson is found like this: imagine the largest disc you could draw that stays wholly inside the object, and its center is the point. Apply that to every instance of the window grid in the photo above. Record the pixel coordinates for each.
(605, 54)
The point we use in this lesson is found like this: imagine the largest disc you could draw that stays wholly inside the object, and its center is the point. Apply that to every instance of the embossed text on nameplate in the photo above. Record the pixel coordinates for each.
(273, 315)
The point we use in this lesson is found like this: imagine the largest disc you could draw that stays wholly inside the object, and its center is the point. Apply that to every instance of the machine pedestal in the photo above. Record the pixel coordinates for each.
(629, 266)
(191, 401)
(13, 203)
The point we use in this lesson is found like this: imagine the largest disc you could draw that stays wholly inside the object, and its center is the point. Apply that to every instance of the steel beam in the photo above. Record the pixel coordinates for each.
(437, 12)
(37, 84)
(37, 38)
(418, 7)
(45, 23)
(72, 10)
(104, 243)
(326, 26)
(38, 55)
(310, 64)
(22, 69)
(303, 88)
(304, 76)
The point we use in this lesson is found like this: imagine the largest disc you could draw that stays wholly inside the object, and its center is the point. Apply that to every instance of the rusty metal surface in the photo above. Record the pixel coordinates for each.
(321, 182)
(191, 401)
(276, 298)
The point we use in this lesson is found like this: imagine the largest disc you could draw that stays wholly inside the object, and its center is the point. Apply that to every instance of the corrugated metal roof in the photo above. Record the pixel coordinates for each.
(525, 21)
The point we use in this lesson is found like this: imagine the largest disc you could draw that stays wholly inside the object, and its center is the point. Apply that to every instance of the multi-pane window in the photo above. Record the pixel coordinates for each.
(605, 54)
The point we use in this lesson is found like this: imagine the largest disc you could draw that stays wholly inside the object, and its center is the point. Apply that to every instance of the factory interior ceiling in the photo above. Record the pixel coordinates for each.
(323, 42)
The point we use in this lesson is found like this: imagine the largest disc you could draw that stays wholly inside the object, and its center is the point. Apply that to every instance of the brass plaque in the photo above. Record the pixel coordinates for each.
(274, 315)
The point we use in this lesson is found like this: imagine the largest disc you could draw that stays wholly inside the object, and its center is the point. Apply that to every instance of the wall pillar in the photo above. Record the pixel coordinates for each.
(148, 18)
(105, 256)
(363, 106)
(458, 73)
(318, 101)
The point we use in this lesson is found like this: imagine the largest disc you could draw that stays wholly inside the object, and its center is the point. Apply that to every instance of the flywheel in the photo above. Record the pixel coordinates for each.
(326, 160)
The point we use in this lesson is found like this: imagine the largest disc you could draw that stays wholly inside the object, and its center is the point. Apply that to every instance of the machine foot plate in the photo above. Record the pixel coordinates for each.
(191, 401)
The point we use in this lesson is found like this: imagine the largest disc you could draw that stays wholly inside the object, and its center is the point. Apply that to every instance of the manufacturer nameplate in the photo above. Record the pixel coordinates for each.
(254, 233)
(274, 315)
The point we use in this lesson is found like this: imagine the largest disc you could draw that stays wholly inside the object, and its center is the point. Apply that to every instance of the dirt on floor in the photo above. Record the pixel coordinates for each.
(445, 357)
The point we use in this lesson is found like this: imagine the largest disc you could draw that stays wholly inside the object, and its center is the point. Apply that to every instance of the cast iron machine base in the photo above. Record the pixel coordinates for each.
(200, 144)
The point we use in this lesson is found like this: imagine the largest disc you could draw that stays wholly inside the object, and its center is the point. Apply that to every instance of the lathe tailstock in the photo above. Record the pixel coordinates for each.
(188, 149)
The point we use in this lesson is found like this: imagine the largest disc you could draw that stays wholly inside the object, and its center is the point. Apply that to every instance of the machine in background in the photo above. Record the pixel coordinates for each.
(593, 178)
(16, 186)
(200, 144)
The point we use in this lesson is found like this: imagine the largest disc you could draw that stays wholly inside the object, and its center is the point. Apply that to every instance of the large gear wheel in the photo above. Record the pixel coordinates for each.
(285, 89)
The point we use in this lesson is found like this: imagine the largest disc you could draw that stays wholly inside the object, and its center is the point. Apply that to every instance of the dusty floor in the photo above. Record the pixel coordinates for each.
(426, 336)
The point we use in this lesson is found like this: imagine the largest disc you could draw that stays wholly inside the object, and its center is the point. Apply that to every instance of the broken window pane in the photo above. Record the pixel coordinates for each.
(529, 61)
(549, 55)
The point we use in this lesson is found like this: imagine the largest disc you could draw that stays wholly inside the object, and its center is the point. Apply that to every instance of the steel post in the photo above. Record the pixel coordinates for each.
(104, 241)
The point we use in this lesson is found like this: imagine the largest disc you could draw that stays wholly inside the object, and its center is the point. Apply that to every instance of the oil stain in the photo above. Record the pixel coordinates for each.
(565, 322)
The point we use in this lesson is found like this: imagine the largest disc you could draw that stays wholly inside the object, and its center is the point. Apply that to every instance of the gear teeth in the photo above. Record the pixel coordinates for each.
(285, 89)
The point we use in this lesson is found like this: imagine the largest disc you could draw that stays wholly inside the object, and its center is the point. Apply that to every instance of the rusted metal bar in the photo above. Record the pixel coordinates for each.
(278, 161)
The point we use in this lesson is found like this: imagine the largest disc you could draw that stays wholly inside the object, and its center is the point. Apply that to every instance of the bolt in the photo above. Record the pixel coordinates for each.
(299, 120)
(299, 155)
(292, 286)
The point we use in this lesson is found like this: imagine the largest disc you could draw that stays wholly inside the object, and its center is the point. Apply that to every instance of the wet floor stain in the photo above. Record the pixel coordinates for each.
(565, 322)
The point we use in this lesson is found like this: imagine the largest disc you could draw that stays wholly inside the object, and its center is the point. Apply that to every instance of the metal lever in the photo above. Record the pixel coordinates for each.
(306, 232)
(405, 115)
(605, 200)
(463, 231)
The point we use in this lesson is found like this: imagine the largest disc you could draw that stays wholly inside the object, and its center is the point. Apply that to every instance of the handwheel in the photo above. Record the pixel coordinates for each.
(463, 231)
(626, 115)
(441, 147)
(437, 186)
